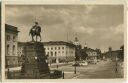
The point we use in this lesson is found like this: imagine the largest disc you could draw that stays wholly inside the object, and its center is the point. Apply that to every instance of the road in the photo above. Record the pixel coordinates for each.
(103, 69)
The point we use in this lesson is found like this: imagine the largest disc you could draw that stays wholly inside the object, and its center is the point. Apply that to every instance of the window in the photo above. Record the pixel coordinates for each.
(14, 38)
(63, 48)
(55, 48)
(55, 53)
(8, 49)
(58, 51)
(48, 48)
(47, 53)
(14, 49)
(51, 53)
(58, 48)
(51, 48)
(62, 51)
(8, 37)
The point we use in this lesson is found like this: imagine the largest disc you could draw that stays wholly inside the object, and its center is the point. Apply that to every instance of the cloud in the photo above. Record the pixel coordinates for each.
(82, 29)
(100, 26)
(118, 29)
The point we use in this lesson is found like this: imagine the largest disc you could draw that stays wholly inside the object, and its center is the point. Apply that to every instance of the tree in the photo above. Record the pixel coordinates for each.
(84, 54)
(99, 53)
(121, 54)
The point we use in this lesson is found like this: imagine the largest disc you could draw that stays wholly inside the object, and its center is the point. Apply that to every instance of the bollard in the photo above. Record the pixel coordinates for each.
(63, 74)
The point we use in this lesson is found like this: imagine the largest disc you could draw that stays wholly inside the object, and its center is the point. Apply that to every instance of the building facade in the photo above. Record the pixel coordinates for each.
(59, 51)
(92, 55)
(11, 35)
(20, 52)
(56, 51)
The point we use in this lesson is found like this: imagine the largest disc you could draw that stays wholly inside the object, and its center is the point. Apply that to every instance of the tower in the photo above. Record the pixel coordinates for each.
(85, 45)
(77, 49)
(76, 41)
(110, 52)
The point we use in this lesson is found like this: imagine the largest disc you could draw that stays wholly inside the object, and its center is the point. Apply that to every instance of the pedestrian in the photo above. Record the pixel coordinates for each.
(116, 70)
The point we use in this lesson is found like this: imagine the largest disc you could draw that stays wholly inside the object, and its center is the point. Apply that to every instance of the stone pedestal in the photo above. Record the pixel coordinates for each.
(35, 65)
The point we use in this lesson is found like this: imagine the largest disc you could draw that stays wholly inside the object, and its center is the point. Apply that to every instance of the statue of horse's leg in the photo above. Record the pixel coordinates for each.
(32, 38)
(40, 37)
(36, 38)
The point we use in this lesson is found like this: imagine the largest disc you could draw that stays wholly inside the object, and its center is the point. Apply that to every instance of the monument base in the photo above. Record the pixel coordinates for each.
(35, 65)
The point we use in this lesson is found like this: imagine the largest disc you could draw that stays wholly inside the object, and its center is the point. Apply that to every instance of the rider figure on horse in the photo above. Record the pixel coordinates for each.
(35, 31)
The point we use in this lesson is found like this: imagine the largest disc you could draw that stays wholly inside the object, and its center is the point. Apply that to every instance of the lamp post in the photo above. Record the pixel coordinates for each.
(75, 70)
(63, 74)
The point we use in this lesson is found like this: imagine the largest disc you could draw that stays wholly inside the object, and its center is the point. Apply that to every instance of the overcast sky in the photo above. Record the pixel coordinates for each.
(100, 26)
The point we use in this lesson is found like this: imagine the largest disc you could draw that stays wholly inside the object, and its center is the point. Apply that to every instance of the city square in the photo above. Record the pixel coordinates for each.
(64, 42)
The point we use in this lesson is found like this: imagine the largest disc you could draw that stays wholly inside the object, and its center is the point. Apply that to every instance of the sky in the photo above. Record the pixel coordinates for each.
(100, 26)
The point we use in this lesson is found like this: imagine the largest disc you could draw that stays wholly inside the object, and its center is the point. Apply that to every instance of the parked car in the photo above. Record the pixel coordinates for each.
(76, 64)
(84, 63)
(55, 74)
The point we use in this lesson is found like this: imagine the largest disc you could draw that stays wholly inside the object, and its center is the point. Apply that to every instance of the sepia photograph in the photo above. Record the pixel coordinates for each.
(0, 40)
(64, 41)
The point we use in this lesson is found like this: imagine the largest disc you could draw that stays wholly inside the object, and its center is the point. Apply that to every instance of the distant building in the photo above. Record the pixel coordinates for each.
(11, 34)
(113, 54)
(78, 49)
(56, 51)
(59, 51)
(92, 54)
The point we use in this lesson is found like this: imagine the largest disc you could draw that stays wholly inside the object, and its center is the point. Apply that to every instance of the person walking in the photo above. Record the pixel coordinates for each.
(116, 67)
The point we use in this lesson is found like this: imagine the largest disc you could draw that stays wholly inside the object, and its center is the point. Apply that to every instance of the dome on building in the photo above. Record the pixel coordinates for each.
(76, 42)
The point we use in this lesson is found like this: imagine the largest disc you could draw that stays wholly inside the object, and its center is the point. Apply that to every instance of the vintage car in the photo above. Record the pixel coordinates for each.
(55, 74)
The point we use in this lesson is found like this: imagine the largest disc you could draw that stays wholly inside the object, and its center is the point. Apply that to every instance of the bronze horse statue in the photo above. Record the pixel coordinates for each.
(35, 31)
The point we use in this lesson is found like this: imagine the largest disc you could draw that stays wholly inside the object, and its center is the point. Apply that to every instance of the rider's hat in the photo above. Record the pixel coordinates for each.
(36, 22)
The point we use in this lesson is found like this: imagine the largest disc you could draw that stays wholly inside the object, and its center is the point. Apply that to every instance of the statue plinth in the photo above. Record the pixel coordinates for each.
(35, 65)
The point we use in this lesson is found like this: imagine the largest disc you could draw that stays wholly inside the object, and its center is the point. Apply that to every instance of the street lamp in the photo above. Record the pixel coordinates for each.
(63, 74)
(75, 70)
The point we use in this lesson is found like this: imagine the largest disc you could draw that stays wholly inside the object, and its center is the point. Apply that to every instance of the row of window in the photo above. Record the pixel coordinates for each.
(92, 54)
(55, 53)
(13, 49)
(54, 48)
(9, 38)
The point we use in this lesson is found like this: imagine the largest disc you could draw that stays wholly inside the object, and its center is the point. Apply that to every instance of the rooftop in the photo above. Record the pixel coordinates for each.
(11, 28)
(53, 43)
(59, 43)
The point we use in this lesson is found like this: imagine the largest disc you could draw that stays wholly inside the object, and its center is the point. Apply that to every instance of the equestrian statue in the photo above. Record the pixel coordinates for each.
(35, 32)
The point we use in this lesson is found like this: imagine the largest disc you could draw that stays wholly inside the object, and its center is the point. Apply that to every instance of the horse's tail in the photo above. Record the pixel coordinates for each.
(30, 32)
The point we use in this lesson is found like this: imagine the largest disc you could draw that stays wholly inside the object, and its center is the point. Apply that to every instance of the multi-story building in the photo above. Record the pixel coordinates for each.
(59, 51)
(92, 55)
(20, 52)
(11, 34)
(56, 51)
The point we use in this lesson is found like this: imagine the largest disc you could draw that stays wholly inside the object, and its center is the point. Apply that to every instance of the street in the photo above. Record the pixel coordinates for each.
(103, 69)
